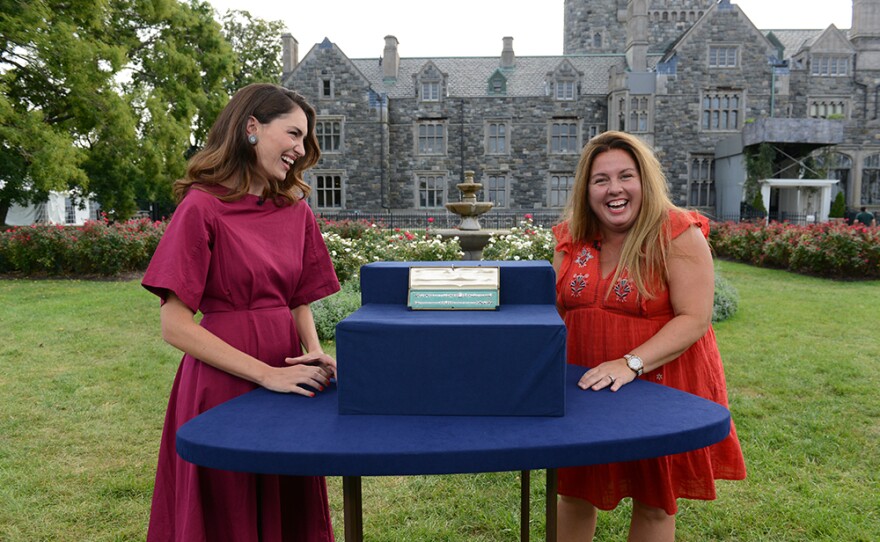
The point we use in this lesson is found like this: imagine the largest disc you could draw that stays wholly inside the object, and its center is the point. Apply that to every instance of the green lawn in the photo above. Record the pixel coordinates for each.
(84, 378)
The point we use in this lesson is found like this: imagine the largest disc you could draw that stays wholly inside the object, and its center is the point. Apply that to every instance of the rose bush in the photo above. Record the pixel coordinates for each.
(98, 247)
(832, 250)
(524, 242)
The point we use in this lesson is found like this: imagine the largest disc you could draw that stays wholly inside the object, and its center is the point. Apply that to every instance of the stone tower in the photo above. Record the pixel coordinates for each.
(600, 26)
(594, 26)
(865, 33)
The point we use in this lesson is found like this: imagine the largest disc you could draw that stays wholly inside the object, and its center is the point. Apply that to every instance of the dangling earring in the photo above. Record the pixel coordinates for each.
(252, 139)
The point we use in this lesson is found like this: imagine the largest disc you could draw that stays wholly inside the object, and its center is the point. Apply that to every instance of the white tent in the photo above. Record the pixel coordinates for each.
(57, 209)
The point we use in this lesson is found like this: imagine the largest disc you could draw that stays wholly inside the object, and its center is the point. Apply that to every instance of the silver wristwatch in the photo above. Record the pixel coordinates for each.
(635, 363)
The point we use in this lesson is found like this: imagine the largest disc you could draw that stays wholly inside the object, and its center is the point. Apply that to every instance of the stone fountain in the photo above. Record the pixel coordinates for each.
(469, 208)
(471, 236)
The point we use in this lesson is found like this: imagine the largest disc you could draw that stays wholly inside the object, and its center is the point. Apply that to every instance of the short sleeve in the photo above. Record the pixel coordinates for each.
(563, 237)
(181, 261)
(318, 278)
(681, 220)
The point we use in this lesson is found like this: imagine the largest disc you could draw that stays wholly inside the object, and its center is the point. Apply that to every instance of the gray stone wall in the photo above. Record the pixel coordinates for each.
(361, 155)
(379, 159)
(678, 113)
(584, 19)
(528, 160)
(667, 19)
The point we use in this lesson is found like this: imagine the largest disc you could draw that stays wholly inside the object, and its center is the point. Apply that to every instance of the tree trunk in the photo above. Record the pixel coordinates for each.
(4, 210)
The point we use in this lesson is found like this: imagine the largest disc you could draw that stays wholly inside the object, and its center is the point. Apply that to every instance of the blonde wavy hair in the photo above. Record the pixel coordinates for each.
(646, 246)
(228, 155)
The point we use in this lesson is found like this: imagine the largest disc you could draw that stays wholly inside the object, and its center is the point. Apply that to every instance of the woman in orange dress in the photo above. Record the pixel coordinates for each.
(635, 286)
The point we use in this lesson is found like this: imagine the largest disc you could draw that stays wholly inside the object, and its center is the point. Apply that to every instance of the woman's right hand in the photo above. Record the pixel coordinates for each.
(300, 378)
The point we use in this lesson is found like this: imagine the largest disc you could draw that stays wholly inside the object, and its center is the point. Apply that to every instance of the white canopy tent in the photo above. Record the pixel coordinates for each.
(806, 197)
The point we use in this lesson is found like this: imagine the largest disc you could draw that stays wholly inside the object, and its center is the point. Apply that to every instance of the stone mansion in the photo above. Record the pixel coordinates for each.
(694, 78)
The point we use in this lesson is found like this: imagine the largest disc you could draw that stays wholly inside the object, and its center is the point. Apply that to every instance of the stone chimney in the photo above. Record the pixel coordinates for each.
(390, 58)
(507, 57)
(289, 53)
(637, 36)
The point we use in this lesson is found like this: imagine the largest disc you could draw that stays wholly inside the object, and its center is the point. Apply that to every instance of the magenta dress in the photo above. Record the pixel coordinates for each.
(244, 266)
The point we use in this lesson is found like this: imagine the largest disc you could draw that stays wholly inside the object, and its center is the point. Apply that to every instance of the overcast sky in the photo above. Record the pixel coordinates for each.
(476, 27)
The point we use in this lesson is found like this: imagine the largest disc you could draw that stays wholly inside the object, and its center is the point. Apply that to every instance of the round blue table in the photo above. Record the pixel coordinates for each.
(272, 433)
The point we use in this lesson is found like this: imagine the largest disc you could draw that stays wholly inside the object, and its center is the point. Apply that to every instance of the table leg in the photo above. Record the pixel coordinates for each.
(524, 505)
(551, 505)
(353, 511)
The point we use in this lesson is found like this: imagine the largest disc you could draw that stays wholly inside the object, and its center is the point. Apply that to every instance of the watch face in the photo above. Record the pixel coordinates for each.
(634, 363)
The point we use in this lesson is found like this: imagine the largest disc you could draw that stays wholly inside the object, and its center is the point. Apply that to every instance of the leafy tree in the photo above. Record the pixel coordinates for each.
(257, 48)
(48, 75)
(108, 99)
(105, 98)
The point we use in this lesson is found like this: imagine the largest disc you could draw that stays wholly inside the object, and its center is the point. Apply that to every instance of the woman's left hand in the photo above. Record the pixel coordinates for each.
(326, 362)
(614, 373)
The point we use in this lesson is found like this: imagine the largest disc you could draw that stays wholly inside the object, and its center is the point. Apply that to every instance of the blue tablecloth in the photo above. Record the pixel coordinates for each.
(509, 362)
(504, 362)
(271, 433)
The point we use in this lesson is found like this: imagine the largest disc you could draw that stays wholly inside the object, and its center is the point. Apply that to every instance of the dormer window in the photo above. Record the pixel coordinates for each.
(497, 84)
(430, 91)
(430, 83)
(565, 90)
(564, 82)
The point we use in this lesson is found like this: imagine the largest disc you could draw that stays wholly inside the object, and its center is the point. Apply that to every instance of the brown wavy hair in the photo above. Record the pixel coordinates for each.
(228, 155)
(645, 249)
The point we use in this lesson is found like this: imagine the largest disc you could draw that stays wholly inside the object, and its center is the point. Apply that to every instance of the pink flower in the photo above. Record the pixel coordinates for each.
(528, 216)
(430, 219)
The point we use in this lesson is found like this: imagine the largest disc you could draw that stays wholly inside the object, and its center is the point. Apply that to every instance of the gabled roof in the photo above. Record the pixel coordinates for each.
(324, 45)
(795, 40)
(831, 40)
(700, 22)
(468, 76)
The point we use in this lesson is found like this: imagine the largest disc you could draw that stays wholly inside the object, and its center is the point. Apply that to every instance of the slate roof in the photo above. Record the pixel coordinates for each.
(468, 77)
(795, 40)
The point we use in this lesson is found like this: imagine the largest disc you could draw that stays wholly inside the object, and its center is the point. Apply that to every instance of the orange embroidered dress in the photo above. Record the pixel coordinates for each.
(604, 328)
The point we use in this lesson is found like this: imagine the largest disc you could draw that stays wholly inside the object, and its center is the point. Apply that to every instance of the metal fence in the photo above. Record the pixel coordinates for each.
(782, 217)
(494, 219)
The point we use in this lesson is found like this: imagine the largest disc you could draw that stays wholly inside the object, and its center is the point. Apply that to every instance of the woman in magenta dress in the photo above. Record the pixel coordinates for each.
(635, 286)
(244, 249)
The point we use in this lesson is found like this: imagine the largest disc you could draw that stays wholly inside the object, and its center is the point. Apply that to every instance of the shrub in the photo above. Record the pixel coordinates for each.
(833, 250)
(374, 244)
(525, 242)
(347, 261)
(838, 206)
(726, 300)
(333, 309)
(348, 229)
(96, 248)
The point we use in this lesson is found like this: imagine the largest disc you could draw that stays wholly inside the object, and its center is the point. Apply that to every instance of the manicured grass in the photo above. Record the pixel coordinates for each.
(84, 378)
